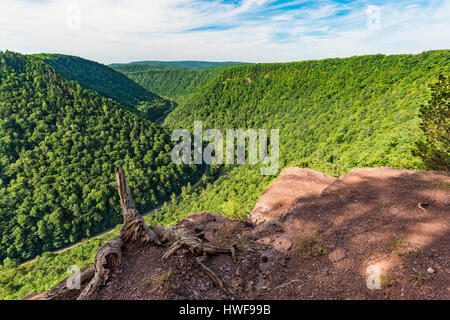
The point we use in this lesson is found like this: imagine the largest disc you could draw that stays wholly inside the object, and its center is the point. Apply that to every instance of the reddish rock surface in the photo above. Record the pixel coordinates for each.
(312, 236)
(293, 183)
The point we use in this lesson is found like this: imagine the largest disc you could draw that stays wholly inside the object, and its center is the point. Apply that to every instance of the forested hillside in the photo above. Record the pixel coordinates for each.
(173, 83)
(59, 145)
(333, 115)
(109, 83)
(179, 64)
(174, 80)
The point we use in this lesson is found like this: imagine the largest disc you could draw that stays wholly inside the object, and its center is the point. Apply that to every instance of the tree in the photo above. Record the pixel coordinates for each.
(59, 144)
(434, 147)
(232, 209)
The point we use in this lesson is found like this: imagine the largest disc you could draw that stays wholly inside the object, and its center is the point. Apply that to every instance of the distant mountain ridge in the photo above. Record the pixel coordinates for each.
(171, 82)
(109, 83)
(182, 64)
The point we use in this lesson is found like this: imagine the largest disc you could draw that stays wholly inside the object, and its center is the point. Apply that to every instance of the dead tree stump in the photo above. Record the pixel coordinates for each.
(134, 228)
(136, 233)
(108, 257)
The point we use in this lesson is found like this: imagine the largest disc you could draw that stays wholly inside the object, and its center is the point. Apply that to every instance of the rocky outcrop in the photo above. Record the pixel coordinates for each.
(375, 233)
(292, 184)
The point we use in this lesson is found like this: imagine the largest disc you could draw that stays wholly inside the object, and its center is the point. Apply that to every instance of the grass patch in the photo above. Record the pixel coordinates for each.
(385, 282)
(418, 277)
(397, 243)
(442, 186)
(317, 251)
(310, 245)
(158, 280)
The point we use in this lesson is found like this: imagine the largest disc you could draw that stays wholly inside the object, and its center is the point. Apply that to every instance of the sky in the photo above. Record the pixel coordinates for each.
(112, 31)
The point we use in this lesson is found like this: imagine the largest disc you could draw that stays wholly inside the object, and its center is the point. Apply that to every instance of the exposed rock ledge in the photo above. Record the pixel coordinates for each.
(310, 236)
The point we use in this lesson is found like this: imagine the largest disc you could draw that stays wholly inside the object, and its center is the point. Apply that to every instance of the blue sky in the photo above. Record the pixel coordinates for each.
(222, 30)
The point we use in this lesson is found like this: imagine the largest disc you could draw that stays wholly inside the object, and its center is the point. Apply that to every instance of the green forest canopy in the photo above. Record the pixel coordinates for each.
(174, 80)
(110, 84)
(176, 84)
(179, 64)
(334, 114)
(434, 147)
(59, 144)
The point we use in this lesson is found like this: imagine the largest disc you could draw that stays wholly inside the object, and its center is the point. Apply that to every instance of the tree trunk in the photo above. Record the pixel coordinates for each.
(136, 233)
(134, 228)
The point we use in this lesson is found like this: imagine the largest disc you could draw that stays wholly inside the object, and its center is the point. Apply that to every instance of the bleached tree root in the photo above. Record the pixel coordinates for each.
(182, 238)
(62, 289)
(135, 232)
(108, 257)
(134, 228)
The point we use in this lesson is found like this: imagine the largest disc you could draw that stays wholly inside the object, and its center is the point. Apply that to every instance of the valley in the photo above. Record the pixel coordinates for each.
(174, 80)
(67, 122)
(60, 145)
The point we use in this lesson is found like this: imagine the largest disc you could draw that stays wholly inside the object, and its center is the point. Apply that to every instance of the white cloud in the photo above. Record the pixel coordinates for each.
(121, 31)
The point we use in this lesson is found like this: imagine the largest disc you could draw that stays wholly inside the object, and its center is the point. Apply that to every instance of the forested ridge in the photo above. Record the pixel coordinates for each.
(176, 80)
(173, 83)
(434, 146)
(177, 64)
(59, 145)
(333, 115)
(111, 84)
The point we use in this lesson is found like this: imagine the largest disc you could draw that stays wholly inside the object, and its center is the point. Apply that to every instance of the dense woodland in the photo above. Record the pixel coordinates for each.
(134, 66)
(110, 84)
(434, 147)
(59, 146)
(333, 115)
(173, 83)
(175, 80)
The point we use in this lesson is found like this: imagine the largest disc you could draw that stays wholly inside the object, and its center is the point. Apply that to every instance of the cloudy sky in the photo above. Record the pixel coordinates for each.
(222, 30)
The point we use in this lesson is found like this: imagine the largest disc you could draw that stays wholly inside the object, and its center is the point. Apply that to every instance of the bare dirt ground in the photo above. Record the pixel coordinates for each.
(311, 236)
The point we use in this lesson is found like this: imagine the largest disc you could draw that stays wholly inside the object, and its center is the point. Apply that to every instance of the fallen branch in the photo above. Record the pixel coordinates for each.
(214, 278)
(61, 290)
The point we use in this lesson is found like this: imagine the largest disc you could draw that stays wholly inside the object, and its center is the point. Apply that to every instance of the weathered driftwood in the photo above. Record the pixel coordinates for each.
(108, 257)
(61, 290)
(184, 238)
(135, 232)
